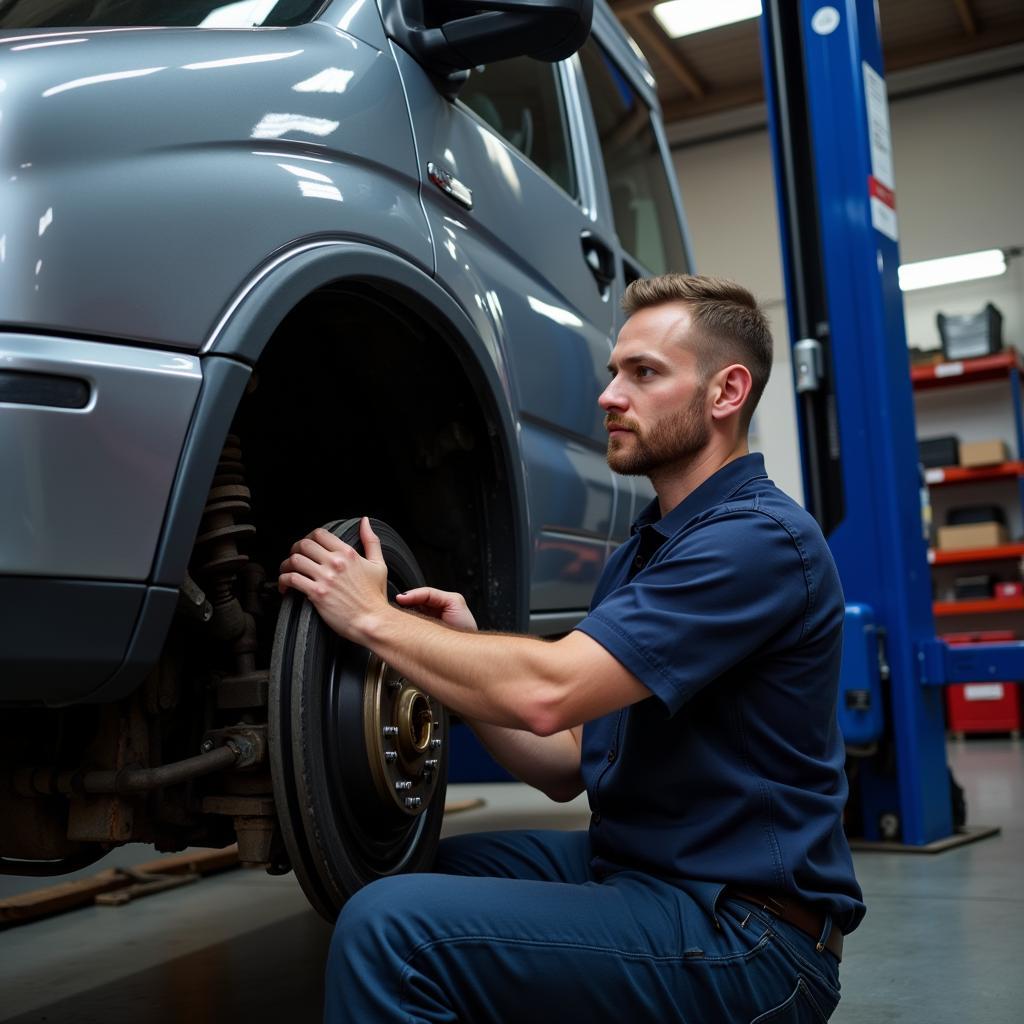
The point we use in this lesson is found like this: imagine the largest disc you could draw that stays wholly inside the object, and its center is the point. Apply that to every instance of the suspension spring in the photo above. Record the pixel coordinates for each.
(218, 560)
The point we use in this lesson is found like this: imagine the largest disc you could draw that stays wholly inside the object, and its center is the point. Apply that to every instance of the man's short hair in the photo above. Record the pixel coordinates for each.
(730, 326)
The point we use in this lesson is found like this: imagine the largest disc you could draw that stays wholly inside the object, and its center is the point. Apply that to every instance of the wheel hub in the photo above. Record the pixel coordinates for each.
(402, 734)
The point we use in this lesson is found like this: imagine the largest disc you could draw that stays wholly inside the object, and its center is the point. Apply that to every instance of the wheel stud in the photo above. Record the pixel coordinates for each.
(430, 764)
(413, 801)
(390, 730)
(390, 756)
(435, 744)
(403, 784)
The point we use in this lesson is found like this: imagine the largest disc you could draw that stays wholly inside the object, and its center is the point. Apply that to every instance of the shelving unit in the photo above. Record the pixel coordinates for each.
(998, 554)
(964, 475)
(1007, 366)
(966, 371)
(980, 614)
(979, 606)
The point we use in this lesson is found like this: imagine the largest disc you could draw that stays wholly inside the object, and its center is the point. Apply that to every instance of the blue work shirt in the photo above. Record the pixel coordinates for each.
(729, 610)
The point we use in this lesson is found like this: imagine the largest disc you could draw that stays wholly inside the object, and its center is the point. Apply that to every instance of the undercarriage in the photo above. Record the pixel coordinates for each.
(258, 726)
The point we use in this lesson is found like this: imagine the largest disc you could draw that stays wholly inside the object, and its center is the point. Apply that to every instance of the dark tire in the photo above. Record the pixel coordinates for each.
(350, 809)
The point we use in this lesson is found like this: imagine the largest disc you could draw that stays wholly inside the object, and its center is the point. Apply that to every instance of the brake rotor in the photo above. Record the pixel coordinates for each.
(359, 754)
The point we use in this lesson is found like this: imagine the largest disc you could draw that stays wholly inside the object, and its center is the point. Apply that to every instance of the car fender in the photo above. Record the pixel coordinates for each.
(240, 337)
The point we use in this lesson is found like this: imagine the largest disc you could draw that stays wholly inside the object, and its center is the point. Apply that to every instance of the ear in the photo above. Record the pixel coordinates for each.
(729, 390)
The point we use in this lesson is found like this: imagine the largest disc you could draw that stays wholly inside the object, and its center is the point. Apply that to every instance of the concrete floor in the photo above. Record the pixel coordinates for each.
(942, 942)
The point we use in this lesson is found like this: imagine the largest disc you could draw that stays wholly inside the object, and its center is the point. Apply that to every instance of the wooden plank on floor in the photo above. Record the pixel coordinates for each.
(457, 806)
(56, 899)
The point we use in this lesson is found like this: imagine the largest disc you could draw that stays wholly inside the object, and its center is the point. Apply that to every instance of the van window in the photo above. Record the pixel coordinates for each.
(522, 101)
(201, 13)
(645, 216)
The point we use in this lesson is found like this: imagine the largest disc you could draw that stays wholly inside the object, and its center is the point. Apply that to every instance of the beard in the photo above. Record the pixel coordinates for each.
(672, 441)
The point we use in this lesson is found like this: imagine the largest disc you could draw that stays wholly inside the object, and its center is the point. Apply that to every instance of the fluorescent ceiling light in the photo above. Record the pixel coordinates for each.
(970, 266)
(687, 17)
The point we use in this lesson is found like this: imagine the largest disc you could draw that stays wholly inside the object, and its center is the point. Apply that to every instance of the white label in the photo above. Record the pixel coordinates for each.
(983, 691)
(934, 476)
(881, 183)
(878, 126)
(825, 21)
(883, 218)
(949, 369)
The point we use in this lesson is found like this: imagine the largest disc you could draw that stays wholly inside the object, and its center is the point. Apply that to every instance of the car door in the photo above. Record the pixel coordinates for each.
(516, 235)
(633, 164)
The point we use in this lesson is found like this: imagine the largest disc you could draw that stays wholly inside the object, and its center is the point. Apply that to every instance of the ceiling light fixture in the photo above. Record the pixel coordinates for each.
(970, 266)
(687, 17)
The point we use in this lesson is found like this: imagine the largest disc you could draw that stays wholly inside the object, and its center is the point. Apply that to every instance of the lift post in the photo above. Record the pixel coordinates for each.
(829, 124)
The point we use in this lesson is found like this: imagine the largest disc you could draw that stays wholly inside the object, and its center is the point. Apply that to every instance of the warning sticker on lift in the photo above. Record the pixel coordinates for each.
(880, 181)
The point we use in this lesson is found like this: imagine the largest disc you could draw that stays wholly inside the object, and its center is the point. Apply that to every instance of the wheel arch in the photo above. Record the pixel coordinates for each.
(240, 340)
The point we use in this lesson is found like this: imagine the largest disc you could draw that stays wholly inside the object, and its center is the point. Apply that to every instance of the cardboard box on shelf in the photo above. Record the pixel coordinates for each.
(982, 453)
(972, 535)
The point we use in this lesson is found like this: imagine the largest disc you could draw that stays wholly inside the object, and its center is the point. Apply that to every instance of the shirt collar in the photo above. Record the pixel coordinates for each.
(718, 487)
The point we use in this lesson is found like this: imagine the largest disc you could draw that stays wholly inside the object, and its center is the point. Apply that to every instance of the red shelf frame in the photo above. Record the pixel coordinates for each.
(965, 475)
(941, 375)
(979, 606)
(996, 554)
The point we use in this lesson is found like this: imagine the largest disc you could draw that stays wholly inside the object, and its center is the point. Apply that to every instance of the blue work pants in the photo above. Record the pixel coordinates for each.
(513, 926)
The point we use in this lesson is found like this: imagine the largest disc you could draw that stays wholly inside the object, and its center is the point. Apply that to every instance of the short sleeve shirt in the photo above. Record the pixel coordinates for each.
(729, 610)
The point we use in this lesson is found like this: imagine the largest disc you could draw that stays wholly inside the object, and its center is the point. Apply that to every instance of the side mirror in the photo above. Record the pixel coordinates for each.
(449, 36)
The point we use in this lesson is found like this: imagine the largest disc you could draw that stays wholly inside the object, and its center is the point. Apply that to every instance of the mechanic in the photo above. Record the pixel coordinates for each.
(696, 703)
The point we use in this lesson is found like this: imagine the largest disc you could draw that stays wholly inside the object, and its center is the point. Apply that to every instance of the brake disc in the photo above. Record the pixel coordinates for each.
(359, 754)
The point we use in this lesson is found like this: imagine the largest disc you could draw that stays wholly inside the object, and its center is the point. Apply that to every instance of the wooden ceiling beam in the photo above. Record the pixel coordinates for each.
(712, 103)
(629, 8)
(954, 46)
(652, 40)
(963, 9)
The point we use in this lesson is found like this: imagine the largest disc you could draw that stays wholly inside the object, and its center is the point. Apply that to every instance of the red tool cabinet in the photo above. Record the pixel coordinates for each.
(982, 707)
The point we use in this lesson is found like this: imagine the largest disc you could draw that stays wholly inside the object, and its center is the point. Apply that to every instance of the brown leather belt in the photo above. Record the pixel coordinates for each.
(786, 908)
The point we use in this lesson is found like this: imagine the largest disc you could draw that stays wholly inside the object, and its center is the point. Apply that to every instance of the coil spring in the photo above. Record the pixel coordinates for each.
(218, 559)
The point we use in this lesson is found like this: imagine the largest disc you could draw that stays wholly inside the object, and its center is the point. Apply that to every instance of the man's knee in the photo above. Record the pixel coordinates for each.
(384, 919)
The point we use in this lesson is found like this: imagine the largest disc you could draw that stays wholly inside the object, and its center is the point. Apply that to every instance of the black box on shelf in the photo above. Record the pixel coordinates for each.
(967, 514)
(966, 588)
(971, 335)
(936, 452)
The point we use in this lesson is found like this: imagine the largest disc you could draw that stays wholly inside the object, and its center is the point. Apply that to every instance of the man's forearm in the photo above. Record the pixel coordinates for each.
(548, 763)
(498, 679)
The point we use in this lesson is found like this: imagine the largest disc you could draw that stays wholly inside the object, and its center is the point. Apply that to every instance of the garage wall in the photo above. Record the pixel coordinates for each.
(959, 156)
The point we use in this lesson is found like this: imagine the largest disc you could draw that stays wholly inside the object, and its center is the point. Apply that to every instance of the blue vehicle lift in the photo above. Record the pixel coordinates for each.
(829, 126)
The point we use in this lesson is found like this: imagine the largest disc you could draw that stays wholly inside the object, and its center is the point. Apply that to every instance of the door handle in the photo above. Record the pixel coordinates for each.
(600, 258)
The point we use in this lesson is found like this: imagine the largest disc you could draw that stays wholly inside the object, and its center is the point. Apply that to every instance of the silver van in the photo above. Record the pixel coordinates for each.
(267, 265)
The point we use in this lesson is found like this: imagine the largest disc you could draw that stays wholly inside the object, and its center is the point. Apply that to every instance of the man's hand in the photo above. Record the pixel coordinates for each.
(344, 587)
(449, 608)
(516, 682)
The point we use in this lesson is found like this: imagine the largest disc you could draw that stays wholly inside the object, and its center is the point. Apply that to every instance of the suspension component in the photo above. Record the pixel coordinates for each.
(232, 583)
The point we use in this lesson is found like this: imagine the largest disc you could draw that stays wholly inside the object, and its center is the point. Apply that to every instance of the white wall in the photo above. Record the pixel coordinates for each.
(729, 195)
(959, 159)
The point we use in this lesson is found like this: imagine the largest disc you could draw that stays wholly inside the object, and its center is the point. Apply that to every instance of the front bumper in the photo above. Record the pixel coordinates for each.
(91, 436)
(85, 489)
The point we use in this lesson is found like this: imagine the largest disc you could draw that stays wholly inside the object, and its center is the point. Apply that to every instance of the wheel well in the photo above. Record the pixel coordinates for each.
(360, 407)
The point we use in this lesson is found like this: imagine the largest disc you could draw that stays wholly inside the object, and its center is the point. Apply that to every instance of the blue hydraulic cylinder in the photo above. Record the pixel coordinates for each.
(824, 85)
(861, 709)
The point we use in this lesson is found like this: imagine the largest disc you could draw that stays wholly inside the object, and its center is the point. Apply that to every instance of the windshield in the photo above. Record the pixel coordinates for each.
(192, 13)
